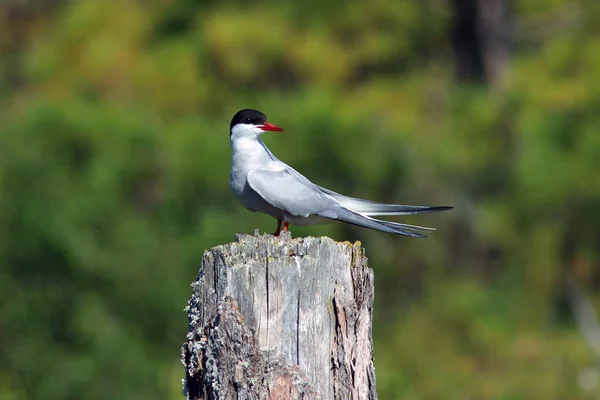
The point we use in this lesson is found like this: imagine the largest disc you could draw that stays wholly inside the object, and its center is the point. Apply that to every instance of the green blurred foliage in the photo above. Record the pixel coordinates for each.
(114, 179)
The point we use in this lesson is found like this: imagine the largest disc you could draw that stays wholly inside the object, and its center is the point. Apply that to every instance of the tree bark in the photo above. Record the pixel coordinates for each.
(480, 36)
(281, 318)
(495, 27)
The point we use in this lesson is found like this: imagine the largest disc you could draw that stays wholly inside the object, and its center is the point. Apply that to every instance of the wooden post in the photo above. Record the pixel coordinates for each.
(281, 318)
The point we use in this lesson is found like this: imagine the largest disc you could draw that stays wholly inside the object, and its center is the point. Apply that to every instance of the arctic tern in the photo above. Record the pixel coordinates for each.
(265, 184)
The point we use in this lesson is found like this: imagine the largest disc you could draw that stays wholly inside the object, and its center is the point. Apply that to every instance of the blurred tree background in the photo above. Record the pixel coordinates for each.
(114, 163)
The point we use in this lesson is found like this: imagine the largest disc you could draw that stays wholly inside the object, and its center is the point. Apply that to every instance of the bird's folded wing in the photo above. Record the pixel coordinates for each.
(371, 208)
(286, 191)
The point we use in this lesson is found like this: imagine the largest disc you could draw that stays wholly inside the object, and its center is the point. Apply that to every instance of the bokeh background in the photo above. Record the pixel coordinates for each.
(114, 163)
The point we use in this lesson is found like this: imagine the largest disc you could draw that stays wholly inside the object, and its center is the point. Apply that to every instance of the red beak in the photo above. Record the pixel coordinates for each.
(270, 127)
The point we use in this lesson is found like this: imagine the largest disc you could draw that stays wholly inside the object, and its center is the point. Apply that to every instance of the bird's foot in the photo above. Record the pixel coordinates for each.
(278, 231)
(285, 227)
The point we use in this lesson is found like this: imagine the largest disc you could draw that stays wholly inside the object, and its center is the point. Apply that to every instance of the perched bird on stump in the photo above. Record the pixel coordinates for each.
(266, 184)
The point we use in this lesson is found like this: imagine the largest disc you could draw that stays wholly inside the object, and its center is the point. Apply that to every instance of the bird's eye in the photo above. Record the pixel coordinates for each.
(248, 120)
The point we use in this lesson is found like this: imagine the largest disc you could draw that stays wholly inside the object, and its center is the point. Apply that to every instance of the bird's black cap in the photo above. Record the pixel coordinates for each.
(248, 116)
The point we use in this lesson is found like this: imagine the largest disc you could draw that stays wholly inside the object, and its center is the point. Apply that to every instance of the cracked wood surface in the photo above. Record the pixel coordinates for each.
(281, 318)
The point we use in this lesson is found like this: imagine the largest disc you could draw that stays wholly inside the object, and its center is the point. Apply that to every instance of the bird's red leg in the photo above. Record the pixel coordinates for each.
(278, 231)
(285, 226)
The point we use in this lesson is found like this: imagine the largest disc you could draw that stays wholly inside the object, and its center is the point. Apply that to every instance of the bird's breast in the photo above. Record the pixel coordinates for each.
(247, 155)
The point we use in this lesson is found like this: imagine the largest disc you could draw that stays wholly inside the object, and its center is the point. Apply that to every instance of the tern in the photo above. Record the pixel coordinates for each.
(266, 184)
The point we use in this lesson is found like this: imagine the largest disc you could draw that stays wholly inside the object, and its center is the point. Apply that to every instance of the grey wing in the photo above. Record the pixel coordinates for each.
(371, 208)
(288, 190)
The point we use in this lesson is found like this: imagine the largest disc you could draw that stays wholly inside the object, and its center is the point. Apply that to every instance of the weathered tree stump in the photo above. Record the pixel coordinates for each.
(281, 318)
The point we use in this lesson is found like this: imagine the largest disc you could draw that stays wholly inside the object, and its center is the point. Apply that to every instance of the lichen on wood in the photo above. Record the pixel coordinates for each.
(281, 318)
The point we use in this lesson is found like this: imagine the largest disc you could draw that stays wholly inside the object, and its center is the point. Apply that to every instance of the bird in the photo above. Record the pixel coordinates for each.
(265, 184)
